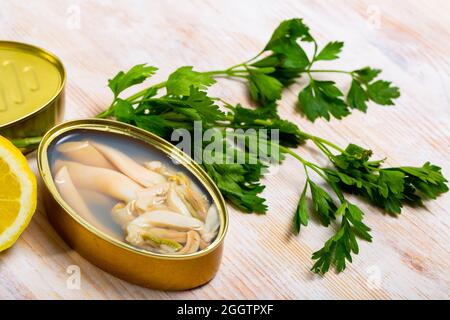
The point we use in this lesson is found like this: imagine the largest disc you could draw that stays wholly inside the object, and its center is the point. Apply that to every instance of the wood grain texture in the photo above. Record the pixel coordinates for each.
(410, 254)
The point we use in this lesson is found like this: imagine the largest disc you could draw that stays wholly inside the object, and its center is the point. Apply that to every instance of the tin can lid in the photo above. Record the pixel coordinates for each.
(30, 78)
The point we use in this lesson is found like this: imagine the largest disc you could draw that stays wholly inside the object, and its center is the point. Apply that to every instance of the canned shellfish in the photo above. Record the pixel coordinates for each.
(132, 203)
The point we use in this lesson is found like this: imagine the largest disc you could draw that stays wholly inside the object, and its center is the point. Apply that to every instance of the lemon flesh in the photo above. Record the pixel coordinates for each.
(18, 193)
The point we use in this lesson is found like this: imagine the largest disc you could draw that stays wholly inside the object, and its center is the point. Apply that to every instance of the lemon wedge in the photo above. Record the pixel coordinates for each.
(18, 193)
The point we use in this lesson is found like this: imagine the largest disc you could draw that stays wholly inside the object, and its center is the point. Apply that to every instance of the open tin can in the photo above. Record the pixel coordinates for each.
(31, 92)
(102, 248)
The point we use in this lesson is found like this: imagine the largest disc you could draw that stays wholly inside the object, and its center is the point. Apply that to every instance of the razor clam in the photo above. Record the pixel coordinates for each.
(152, 196)
(107, 181)
(177, 202)
(197, 201)
(129, 167)
(123, 213)
(212, 224)
(163, 233)
(165, 245)
(71, 195)
(192, 243)
(141, 232)
(134, 233)
(168, 219)
(193, 201)
(156, 166)
(203, 244)
(83, 152)
(164, 248)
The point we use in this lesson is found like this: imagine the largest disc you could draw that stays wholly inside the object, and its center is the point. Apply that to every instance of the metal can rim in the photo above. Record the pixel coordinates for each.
(53, 59)
(145, 136)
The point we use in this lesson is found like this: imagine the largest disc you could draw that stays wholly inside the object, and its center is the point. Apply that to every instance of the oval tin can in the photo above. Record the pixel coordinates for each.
(32, 84)
(152, 270)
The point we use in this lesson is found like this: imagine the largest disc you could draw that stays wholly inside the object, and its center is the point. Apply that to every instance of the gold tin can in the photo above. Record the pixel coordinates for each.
(152, 270)
(31, 92)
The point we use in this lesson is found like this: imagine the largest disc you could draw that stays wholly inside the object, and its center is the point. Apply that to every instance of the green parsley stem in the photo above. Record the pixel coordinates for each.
(216, 72)
(313, 59)
(314, 53)
(108, 112)
(26, 142)
(306, 172)
(323, 141)
(245, 63)
(231, 76)
(323, 148)
(227, 73)
(331, 71)
(317, 140)
(305, 162)
(142, 92)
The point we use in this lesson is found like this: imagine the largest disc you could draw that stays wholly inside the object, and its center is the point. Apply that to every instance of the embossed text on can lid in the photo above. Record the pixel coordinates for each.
(29, 79)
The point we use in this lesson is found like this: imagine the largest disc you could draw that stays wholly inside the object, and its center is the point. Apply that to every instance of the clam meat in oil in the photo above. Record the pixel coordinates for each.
(157, 208)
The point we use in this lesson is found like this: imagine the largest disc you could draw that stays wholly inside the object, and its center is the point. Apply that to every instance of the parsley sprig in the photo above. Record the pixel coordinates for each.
(354, 172)
(282, 62)
(285, 60)
(182, 99)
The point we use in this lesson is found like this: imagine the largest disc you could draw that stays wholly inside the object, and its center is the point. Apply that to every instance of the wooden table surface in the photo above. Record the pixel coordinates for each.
(409, 257)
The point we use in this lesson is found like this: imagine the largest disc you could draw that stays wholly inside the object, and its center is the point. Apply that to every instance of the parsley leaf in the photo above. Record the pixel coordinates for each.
(285, 56)
(263, 87)
(290, 29)
(357, 97)
(155, 124)
(330, 51)
(339, 248)
(364, 88)
(320, 99)
(231, 180)
(388, 188)
(284, 43)
(265, 118)
(323, 203)
(301, 216)
(180, 81)
(206, 108)
(421, 183)
(135, 75)
(123, 111)
(366, 74)
(382, 92)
